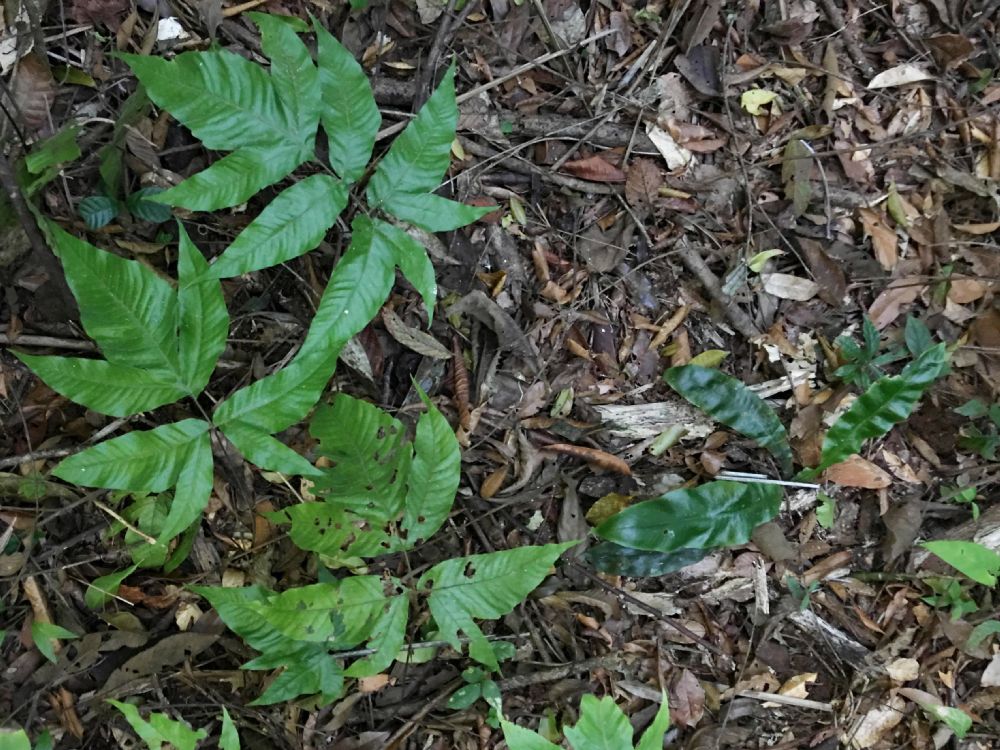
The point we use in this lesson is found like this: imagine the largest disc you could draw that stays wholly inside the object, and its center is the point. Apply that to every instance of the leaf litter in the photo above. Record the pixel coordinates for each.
(828, 134)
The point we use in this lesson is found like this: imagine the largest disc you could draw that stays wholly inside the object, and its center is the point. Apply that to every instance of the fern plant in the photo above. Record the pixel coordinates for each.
(161, 341)
(382, 493)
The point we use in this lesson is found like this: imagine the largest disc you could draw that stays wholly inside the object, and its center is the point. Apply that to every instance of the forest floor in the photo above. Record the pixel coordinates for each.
(740, 182)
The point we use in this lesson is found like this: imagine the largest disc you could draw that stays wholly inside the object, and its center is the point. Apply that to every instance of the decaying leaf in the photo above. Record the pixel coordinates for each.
(786, 286)
(796, 167)
(413, 338)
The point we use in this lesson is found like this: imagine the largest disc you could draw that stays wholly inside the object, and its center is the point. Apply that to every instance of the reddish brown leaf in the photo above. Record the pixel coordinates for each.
(595, 169)
(460, 383)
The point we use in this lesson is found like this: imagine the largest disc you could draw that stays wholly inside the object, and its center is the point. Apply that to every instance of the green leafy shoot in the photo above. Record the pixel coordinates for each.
(104, 588)
(45, 634)
(951, 594)
(863, 363)
(160, 729)
(601, 726)
(955, 719)
(982, 438)
(972, 559)
(889, 401)
(229, 739)
(981, 632)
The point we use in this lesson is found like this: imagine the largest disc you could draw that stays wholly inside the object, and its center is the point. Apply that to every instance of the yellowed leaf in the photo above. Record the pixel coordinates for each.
(754, 99)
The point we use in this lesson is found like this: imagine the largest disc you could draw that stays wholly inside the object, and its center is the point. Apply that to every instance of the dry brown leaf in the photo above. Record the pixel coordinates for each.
(413, 338)
(962, 290)
(687, 700)
(796, 686)
(373, 684)
(460, 384)
(890, 302)
(884, 239)
(903, 669)
(34, 90)
(856, 471)
(828, 273)
(873, 726)
(988, 228)
(901, 75)
(595, 457)
(595, 169)
(492, 484)
(787, 286)
(902, 523)
(642, 185)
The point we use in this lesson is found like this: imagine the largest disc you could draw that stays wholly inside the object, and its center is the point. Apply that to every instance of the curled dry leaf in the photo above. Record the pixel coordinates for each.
(899, 76)
(460, 384)
(413, 338)
(891, 301)
(492, 484)
(858, 472)
(598, 458)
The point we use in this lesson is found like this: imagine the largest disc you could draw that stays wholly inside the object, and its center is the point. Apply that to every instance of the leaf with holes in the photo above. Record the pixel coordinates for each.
(484, 587)
(727, 400)
(375, 481)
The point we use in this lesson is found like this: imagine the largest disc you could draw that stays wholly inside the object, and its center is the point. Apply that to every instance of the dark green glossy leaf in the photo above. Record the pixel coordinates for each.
(464, 697)
(433, 478)
(918, 337)
(359, 285)
(97, 211)
(609, 557)
(484, 587)
(388, 635)
(193, 490)
(88, 382)
(888, 402)
(419, 157)
(293, 224)
(349, 113)
(411, 257)
(716, 514)
(141, 207)
(727, 400)
(202, 315)
(148, 461)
